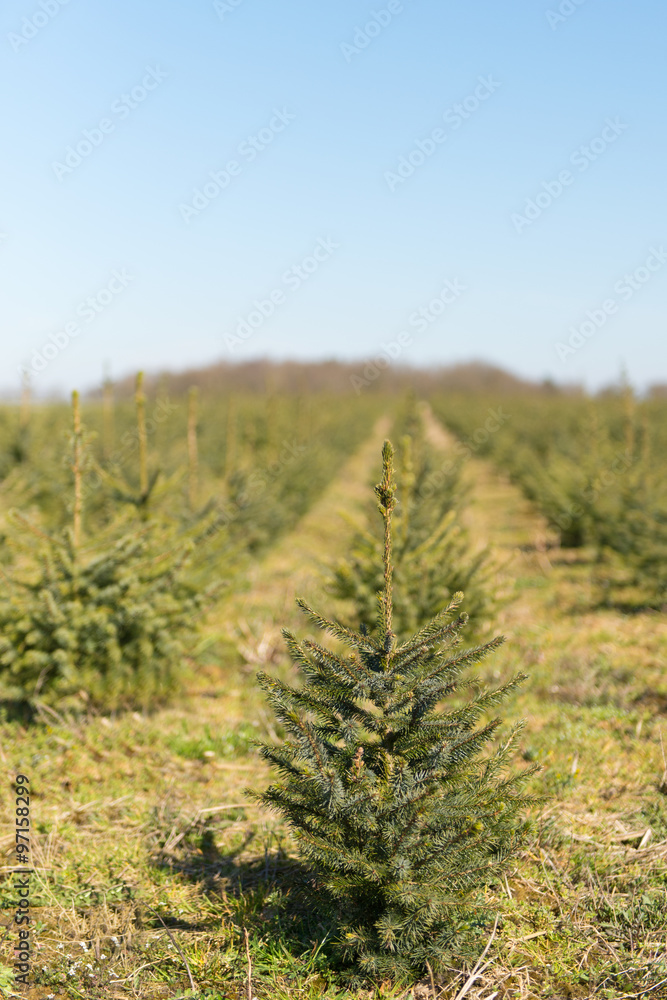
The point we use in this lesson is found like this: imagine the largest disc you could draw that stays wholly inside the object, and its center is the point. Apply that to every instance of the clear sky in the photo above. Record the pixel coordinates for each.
(366, 156)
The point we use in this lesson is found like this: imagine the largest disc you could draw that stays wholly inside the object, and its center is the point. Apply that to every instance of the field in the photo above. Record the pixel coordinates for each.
(155, 877)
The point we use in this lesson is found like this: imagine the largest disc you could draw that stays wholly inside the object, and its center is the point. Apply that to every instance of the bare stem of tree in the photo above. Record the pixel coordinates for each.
(140, 400)
(193, 452)
(76, 468)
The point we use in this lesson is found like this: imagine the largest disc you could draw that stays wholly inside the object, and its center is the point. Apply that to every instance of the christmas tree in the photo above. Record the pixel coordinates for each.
(111, 619)
(432, 555)
(400, 818)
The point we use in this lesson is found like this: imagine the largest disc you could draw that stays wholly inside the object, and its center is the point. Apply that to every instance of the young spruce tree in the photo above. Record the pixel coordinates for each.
(400, 818)
(432, 555)
(111, 617)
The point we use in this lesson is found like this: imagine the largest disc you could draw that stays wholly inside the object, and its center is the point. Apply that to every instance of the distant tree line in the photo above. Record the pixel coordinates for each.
(266, 376)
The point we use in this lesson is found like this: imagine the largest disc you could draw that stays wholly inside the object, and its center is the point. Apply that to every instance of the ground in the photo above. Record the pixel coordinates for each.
(150, 864)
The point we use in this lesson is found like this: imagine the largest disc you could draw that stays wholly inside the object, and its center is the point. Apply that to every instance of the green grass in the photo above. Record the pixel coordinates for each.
(201, 743)
(144, 844)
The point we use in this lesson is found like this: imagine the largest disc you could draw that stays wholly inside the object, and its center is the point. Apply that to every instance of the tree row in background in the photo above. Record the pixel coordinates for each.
(593, 468)
(434, 556)
(120, 525)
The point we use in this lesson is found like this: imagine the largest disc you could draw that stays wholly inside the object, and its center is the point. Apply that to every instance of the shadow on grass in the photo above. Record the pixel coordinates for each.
(273, 896)
(15, 711)
(629, 606)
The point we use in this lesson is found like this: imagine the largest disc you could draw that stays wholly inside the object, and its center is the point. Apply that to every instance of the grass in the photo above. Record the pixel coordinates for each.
(151, 867)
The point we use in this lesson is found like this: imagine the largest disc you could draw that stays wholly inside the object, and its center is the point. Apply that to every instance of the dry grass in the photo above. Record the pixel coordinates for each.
(586, 912)
(149, 862)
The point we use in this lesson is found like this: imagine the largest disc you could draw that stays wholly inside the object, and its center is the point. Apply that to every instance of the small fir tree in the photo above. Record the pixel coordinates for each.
(147, 489)
(193, 449)
(111, 619)
(18, 448)
(400, 818)
(432, 555)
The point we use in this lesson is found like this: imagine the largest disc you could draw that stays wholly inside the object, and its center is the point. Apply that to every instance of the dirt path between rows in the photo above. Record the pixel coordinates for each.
(499, 510)
(498, 515)
(551, 614)
(294, 567)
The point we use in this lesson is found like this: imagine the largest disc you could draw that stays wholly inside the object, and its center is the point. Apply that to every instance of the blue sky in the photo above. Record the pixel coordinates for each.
(410, 144)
